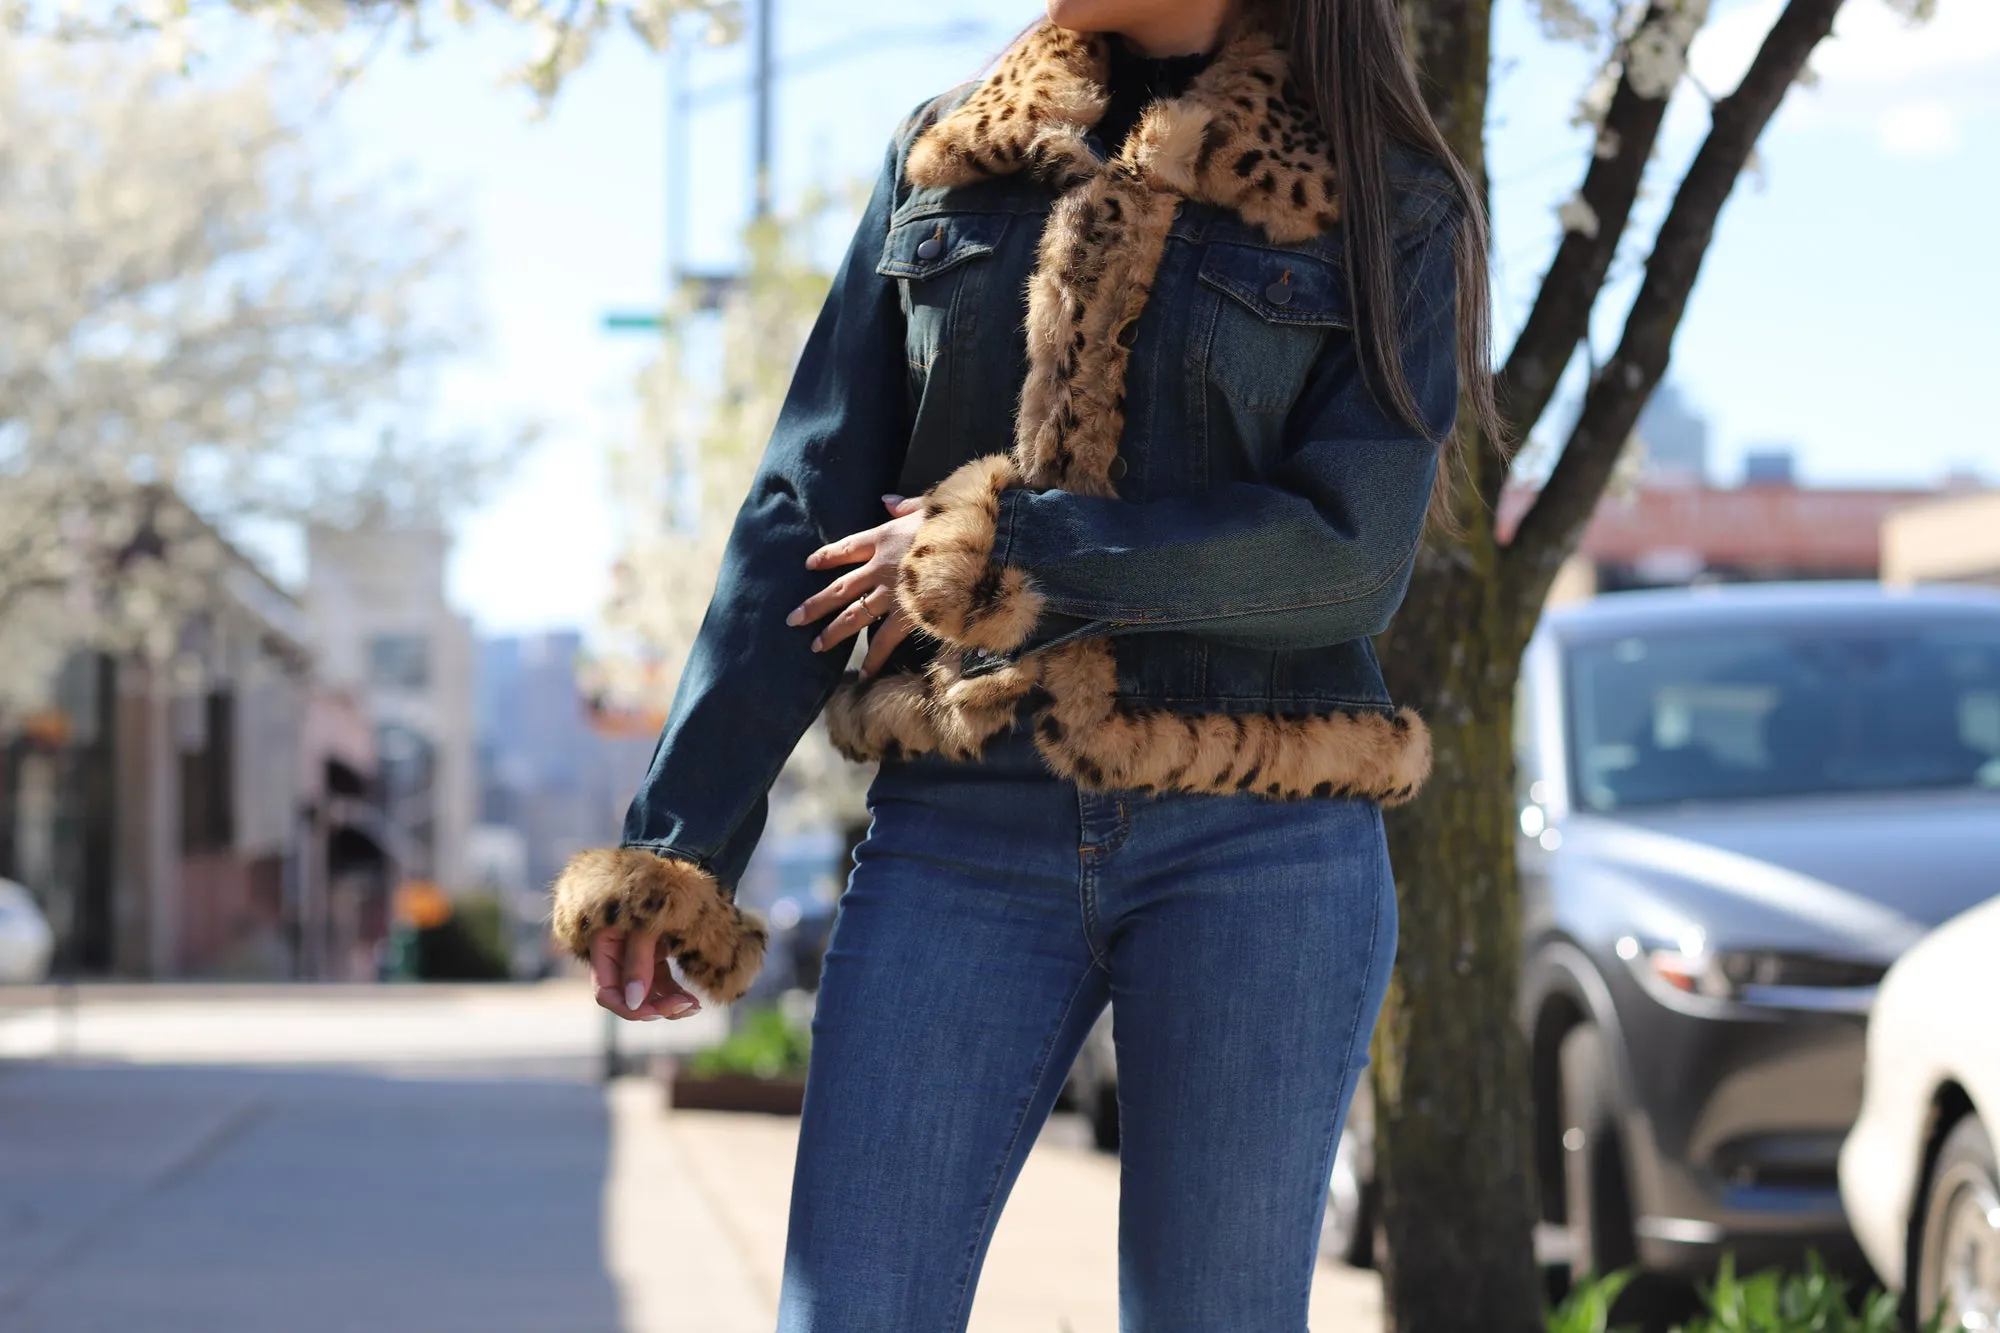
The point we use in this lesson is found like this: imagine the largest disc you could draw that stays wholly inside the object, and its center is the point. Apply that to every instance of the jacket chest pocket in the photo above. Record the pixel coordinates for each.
(941, 262)
(1273, 312)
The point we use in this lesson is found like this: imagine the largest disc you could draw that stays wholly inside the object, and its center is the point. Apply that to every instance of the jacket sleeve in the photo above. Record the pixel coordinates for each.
(752, 685)
(1320, 553)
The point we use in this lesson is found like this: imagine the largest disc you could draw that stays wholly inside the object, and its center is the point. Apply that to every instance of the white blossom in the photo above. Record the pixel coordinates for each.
(1578, 216)
(1656, 54)
(563, 32)
(187, 316)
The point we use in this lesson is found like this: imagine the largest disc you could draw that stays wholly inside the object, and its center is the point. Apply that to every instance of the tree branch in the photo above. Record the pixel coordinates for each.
(1551, 527)
(1561, 315)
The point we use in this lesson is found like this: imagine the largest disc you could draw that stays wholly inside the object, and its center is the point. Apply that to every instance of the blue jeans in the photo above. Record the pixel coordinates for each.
(1244, 946)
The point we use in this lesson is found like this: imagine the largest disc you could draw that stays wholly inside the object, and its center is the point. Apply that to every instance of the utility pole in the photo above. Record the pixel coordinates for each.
(766, 40)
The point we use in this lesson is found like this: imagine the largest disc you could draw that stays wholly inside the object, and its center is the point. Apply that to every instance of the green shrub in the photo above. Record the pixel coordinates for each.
(1587, 1308)
(468, 945)
(765, 1044)
(1814, 1301)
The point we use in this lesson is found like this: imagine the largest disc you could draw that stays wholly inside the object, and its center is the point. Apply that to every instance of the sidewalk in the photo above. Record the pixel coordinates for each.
(695, 1230)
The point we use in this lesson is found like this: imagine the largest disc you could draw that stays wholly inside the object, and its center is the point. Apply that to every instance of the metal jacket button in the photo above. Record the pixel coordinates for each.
(1278, 293)
(1117, 469)
(931, 248)
(1128, 335)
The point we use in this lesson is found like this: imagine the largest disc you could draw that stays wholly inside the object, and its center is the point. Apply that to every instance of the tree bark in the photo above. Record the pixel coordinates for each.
(1452, 1107)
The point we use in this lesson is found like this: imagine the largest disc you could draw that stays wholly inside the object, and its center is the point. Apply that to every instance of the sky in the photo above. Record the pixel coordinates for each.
(1849, 308)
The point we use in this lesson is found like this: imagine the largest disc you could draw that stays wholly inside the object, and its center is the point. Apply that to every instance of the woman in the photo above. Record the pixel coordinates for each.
(1173, 392)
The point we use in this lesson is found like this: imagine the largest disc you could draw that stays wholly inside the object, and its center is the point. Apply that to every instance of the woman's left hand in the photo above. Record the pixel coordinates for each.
(865, 597)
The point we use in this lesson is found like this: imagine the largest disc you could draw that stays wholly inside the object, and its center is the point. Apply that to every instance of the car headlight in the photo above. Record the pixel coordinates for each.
(1694, 969)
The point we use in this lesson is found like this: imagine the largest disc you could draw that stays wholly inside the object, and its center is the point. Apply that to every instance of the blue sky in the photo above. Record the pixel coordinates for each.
(1850, 306)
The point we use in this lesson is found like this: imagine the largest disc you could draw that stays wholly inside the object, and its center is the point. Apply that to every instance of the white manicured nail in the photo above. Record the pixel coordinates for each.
(635, 992)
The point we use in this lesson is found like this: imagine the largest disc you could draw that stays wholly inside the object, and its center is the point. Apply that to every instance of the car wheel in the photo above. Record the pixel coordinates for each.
(1103, 1112)
(1598, 1206)
(1958, 1247)
(1348, 1234)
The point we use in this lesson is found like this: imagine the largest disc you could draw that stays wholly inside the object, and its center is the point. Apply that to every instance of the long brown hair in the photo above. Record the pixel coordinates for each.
(1349, 62)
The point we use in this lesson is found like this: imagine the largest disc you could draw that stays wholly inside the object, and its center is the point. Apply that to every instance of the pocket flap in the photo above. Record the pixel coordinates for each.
(926, 246)
(1279, 286)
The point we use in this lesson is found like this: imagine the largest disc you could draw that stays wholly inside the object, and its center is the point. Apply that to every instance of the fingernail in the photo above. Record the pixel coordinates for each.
(892, 500)
(817, 645)
(635, 993)
(682, 1007)
(797, 617)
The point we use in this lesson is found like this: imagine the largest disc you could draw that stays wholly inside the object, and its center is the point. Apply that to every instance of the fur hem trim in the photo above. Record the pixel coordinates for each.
(1087, 734)
(718, 945)
(948, 584)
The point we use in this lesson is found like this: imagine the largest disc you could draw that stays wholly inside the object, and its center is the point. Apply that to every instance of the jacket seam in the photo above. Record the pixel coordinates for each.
(667, 849)
(1161, 616)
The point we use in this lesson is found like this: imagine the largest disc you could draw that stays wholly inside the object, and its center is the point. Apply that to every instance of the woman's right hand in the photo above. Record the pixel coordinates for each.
(633, 979)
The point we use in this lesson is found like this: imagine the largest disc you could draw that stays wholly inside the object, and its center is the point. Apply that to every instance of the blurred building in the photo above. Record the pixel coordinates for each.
(1771, 465)
(351, 856)
(1661, 535)
(1951, 540)
(384, 634)
(172, 818)
(545, 773)
(1675, 438)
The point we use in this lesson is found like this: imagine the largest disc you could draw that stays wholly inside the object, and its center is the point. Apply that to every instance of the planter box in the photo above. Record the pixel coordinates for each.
(731, 1092)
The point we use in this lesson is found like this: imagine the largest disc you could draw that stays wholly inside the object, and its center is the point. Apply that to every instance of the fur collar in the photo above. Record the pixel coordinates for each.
(1240, 137)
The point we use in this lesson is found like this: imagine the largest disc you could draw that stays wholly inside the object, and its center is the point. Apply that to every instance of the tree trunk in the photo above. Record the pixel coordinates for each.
(1451, 1092)
(1453, 1112)
(1453, 1150)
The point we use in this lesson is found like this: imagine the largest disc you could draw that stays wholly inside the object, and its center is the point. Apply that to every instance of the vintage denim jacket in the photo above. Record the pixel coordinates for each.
(1165, 512)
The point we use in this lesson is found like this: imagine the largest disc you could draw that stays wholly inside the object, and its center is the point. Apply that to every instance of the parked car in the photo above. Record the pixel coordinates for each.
(1738, 806)
(1918, 1171)
(26, 942)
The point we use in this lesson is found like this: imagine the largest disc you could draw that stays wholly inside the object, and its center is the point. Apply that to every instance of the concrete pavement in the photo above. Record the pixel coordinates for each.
(436, 1162)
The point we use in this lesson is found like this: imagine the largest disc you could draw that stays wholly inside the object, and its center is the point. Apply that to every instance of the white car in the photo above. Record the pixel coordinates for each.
(1917, 1172)
(25, 938)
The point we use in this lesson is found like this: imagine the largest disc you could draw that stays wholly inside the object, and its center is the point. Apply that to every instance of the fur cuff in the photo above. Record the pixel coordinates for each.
(718, 945)
(948, 584)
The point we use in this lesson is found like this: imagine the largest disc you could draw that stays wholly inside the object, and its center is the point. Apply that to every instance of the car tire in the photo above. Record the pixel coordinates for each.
(1596, 1192)
(1103, 1114)
(1957, 1245)
(1348, 1235)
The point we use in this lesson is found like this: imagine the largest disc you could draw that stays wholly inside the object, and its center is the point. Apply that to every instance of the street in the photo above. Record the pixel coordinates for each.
(188, 1160)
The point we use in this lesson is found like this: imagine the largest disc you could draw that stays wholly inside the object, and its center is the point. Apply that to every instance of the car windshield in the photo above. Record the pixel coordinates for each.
(1727, 715)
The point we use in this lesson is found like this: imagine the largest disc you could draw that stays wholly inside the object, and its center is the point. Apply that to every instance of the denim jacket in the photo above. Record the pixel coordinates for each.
(1164, 510)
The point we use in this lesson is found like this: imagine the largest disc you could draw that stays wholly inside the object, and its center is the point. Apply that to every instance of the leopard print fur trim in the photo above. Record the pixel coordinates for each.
(1086, 733)
(948, 584)
(1241, 137)
(718, 945)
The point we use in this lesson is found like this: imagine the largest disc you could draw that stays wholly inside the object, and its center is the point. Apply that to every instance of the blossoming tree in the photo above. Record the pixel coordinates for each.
(707, 406)
(191, 310)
